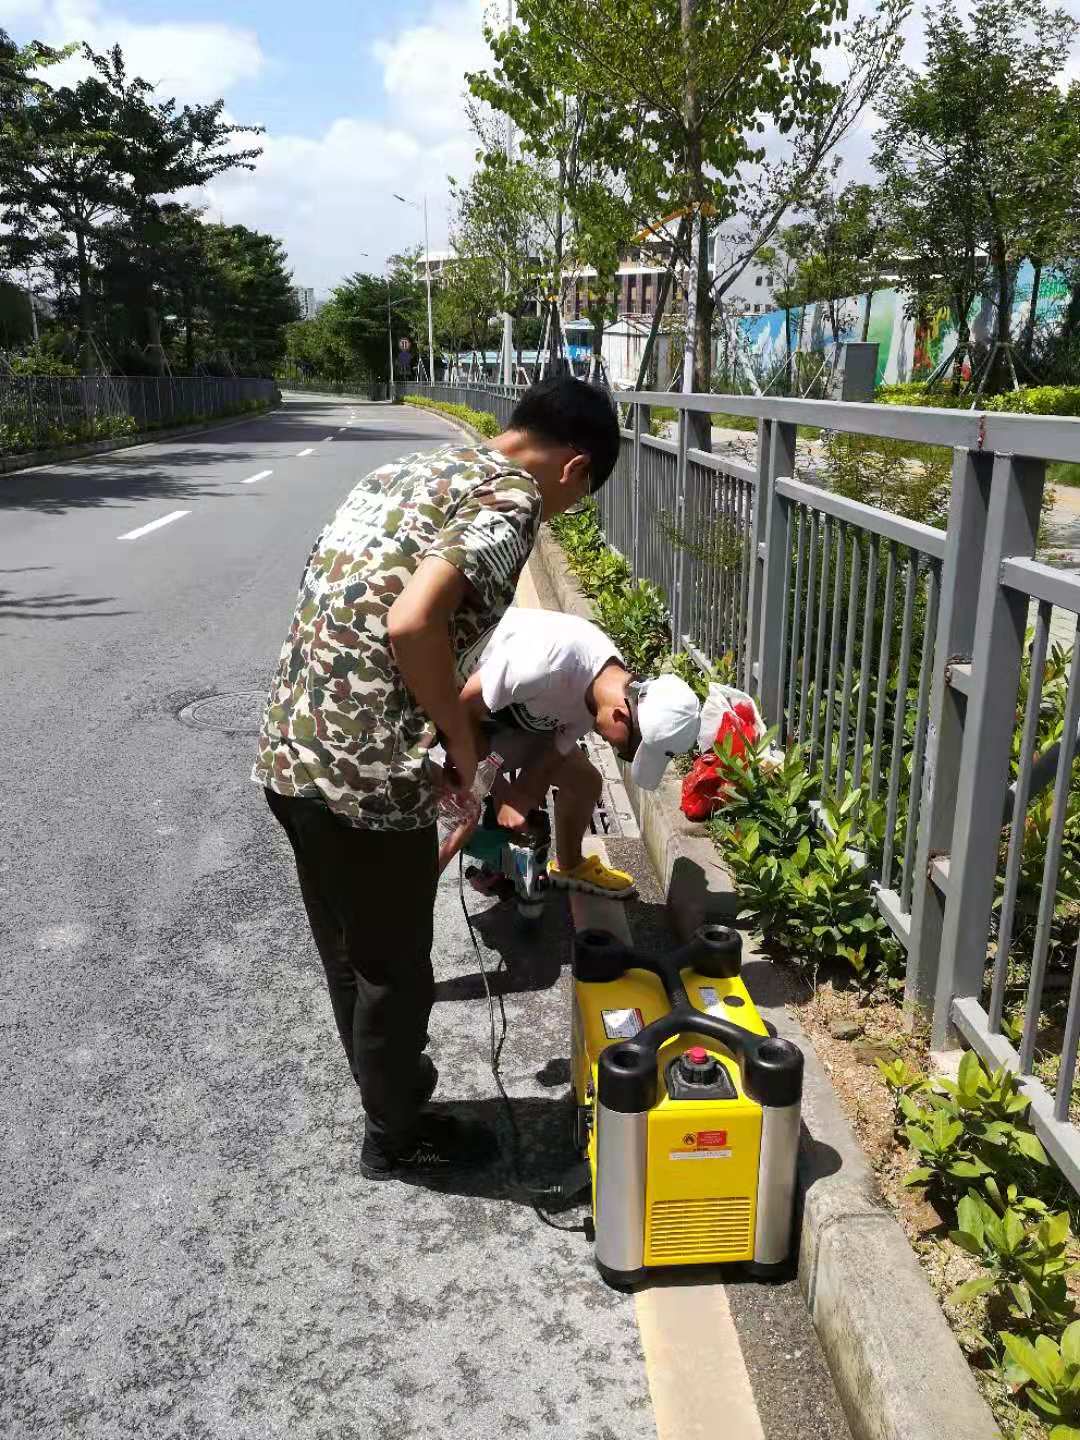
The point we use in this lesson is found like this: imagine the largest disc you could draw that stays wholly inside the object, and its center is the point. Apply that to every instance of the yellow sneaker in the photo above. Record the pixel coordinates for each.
(594, 878)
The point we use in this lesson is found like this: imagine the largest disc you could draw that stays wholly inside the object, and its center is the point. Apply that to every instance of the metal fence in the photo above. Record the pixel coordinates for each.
(356, 389)
(38, 410)
(912, 660)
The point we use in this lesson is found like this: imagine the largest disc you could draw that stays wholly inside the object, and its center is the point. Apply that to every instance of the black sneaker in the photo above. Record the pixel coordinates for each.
(442, 1143)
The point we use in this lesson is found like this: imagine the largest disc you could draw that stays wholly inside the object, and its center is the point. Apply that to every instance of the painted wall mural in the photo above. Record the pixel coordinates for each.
(903, 351)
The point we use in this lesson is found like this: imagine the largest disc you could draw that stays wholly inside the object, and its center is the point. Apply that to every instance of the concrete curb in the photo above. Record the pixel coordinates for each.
(897, 1368)
(10, 464)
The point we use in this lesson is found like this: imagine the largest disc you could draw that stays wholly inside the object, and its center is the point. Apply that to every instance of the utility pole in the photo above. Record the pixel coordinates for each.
(427, 274)
(508, 321)
(390, 342)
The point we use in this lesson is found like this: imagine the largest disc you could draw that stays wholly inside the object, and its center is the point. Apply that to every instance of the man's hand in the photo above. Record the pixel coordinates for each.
(513, 803)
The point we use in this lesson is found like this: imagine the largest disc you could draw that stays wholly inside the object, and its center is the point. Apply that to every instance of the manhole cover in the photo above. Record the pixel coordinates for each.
(237, 714)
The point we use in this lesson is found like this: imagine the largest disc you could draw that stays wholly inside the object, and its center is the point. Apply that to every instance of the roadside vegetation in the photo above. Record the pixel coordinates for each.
(478, 419)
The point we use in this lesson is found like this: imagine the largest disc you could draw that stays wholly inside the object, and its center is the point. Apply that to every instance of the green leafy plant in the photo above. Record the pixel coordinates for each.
(1026, 1262)
(903, 1082)
(1049, 1371)
(948, 1161)
(636, 618)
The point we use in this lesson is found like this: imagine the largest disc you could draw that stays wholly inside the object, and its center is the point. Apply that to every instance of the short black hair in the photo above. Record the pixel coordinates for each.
(572, 412)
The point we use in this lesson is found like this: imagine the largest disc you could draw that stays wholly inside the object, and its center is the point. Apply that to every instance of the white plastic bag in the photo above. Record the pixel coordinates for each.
(723, 700)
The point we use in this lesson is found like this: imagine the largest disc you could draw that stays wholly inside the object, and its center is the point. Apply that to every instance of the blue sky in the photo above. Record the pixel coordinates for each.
(358, 99)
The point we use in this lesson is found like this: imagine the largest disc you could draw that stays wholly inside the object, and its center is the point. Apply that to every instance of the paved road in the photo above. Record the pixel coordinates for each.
(188, 1248)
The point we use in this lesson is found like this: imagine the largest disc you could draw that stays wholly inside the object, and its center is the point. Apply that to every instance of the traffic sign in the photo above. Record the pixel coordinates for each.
(404, 343)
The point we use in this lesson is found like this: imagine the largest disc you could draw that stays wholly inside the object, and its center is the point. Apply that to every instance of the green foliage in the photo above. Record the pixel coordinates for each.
(23, 437)
(478, 419)
(1028, 400)
(802, 876)
(1025, 1262)
(633, 613)
(991, 1112)
(722, 672)
(1049, 1371)
(41, 362)
(636, 617)
(903, 1082)
(878, 472)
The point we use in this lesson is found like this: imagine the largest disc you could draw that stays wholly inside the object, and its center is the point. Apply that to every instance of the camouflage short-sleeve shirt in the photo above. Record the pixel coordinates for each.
(340, 720)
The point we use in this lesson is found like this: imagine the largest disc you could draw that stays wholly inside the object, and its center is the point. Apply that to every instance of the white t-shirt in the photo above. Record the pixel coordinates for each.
(539, 664)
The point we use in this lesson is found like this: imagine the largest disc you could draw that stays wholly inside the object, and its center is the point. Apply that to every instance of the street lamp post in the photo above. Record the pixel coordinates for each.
(427, 277)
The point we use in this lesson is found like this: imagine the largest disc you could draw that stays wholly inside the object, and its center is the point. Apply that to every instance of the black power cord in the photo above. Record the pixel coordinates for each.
(534, 1194)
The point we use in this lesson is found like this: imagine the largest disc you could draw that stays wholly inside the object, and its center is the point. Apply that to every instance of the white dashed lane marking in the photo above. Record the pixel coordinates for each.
(154, 525)
(260, 476)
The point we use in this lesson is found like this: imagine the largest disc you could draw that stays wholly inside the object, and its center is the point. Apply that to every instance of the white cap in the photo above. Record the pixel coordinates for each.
(668, 716)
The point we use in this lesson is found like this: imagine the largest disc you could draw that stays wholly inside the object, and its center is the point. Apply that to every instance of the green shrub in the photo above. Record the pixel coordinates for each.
(1028, 400)
(478, 419)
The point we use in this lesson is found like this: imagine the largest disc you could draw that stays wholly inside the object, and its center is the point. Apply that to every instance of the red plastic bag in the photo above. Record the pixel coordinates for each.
(706, 787)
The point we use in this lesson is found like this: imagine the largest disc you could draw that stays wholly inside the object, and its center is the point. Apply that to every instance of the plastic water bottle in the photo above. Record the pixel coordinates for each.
(458, 815)
(455, 810)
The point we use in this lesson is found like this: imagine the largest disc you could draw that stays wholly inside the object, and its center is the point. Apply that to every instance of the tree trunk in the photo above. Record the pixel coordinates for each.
(1033, 310)
(865, 333)
(596, 368)
(153, 328)
(999, 377)
(86, 306)
(654, 329)
(697, 372)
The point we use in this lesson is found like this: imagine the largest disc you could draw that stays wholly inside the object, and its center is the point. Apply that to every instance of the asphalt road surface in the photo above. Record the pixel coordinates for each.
(188, 1248)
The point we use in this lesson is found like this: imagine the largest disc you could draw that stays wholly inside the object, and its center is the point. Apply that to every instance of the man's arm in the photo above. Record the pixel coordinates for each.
(419, 627)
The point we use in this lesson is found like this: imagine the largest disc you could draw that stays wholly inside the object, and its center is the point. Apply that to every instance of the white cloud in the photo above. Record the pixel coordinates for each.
(196, 61)
(330, 198)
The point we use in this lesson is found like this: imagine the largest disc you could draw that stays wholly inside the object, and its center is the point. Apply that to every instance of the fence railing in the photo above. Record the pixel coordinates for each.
(902, 657)
(37, 409)
(359, 389)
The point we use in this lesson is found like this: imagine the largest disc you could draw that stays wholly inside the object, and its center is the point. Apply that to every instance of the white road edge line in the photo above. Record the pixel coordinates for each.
(301, 453)
(260, 476)
(154, 525)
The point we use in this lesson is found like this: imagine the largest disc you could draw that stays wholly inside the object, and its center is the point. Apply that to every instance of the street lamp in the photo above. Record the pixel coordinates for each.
(427, 277)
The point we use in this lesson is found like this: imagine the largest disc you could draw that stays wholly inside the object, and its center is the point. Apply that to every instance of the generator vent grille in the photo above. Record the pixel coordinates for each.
(685, 1227)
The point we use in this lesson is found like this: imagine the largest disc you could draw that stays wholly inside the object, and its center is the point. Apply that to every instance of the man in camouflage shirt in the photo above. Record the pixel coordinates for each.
(420, 561)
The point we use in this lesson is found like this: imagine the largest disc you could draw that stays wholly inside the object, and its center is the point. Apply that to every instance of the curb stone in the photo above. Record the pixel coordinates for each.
(10, 464)
(897, 1368)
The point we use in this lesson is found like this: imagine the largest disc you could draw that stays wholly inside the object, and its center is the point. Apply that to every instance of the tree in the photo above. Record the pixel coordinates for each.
(351, 335)
(844, 250)
(101, 154)
(247, 297)
(986, 121)
(683, 91)
(786, 265)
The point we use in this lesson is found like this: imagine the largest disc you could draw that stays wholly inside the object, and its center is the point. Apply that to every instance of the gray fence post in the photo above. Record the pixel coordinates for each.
(955, 640)
(677, 608)
(780, 464)
(635, 498)
(757, 553)
(1012, 526)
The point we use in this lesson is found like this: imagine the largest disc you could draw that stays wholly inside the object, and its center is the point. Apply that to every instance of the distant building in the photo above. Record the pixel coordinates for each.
(305, 298)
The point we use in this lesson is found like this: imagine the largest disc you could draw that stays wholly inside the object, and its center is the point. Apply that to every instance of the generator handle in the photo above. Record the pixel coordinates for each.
(771, 1069)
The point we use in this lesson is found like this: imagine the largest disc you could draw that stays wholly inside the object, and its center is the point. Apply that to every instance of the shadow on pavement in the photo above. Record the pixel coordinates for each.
(544, 1158)
(56, 491)
(62, 605)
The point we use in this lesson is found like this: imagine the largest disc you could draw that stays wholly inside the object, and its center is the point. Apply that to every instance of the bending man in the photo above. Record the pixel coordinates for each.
(420, 561)
(538, 684)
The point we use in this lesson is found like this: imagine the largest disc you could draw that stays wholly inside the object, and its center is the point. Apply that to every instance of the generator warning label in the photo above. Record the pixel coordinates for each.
(705, 1139)
(703, 1145)
(622, 1024)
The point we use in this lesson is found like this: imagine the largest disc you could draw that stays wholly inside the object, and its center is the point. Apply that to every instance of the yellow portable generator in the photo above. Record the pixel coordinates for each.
(688, 1108)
